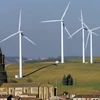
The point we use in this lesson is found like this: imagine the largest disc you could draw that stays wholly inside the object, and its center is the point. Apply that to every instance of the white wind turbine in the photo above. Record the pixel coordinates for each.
(90, 32)
(20, 44)
(83, 40)
(62, 26)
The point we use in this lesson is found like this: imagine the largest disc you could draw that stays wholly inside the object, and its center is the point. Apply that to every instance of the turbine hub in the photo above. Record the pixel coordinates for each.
(62, 20)
(20, 31)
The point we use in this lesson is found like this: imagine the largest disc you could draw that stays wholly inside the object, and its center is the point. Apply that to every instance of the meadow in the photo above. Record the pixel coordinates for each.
(86, 76)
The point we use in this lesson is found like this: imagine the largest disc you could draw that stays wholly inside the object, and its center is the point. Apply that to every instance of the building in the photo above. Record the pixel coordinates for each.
(3, 75)
(41, 91)
(86, 97)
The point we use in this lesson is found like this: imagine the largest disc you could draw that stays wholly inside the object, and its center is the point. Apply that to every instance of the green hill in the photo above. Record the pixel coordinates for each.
(86, 76)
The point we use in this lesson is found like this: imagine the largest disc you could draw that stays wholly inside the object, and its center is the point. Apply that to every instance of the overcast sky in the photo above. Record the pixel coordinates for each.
(47, 36)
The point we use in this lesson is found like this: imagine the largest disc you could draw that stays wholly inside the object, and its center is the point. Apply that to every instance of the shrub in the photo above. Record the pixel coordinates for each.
(29, 80)
(12, 81)
(65, 93)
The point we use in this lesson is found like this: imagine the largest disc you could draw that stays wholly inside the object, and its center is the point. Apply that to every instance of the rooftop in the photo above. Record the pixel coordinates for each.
(87, 96)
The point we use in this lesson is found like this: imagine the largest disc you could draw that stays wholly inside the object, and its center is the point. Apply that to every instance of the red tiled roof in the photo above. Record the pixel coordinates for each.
(4, 96)
(20, 85)
(30, 98)
(86, 96)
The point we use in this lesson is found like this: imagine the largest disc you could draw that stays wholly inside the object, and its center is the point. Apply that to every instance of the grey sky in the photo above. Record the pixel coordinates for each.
(47, 36)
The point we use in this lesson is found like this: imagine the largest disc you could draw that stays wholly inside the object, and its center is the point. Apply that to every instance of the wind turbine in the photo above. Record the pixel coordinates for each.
(90, 33)
(83, 41)
(62, 26)
(20, 44)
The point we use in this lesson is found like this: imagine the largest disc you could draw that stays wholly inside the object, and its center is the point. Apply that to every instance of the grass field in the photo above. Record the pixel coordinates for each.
(86, 76)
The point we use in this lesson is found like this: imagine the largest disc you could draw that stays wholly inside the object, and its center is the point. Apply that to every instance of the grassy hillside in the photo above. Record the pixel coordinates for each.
(86, 76)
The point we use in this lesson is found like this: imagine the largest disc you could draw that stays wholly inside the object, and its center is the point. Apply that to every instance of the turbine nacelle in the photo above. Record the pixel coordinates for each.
(85, 29)
(89, 31)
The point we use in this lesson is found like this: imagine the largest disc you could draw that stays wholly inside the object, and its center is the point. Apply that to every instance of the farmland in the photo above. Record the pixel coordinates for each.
(86, 76)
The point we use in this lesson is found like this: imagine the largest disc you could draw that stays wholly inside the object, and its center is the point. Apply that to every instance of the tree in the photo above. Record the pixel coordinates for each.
(64, 80)
(71, 83)
(67, 80)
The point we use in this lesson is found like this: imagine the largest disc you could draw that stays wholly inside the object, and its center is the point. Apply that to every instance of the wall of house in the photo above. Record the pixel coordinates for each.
(46, 92)
(51, 91)
(18, 91)
(95, 98)
(41, 92)
(3, 91)
(11, 91)
(21, 90)
(3, 98)
(26, 90)
(34, 90)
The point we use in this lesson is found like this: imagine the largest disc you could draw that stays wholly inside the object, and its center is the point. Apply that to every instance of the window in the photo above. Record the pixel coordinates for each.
(26, 91)
(11, 91)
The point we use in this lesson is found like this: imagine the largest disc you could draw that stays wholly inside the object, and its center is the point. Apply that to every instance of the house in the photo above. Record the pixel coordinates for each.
(36, 90)
(86, 97)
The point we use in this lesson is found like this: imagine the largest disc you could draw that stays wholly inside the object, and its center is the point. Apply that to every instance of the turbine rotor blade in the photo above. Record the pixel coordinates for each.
(95, 28)
(28, 39)
(76, 32)
(66, 30)
(19, 27)
(87, 40)
(81, 16)
(9, 37)
(50, 21)
(82, 20)
(65, 10)
(95, 33)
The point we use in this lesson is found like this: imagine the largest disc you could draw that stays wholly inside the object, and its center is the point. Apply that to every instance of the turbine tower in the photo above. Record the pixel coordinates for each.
(90, 32)
(20, 44)
(62, 26)
(83, 40)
